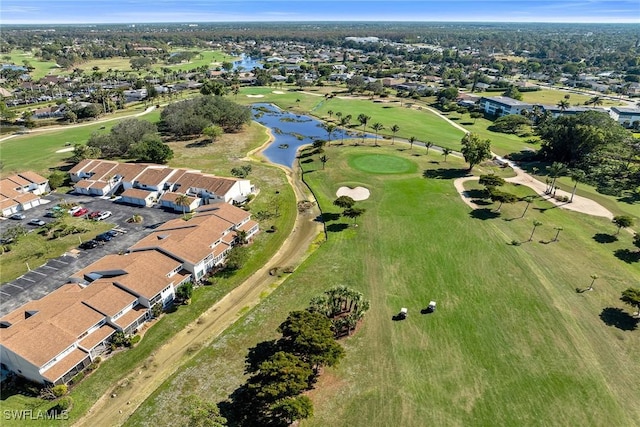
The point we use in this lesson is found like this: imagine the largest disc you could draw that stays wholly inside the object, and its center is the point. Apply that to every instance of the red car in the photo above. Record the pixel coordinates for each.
(81, 212)
(94, 214)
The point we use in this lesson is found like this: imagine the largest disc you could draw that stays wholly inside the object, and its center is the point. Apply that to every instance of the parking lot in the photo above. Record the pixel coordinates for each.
(42, 280)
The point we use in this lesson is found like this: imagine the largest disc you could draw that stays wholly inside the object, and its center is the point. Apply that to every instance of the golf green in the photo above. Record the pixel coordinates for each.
(381, 164)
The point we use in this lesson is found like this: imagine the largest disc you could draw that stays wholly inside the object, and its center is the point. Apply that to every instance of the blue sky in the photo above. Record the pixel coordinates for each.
(138, 11)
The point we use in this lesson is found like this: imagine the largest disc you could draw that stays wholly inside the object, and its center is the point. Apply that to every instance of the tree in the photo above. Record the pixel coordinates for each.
(57, 178)
(394, 130)
(563, 104)
(513, 92)
(594, 277)
(622, 221)
(236, 258)
(377, 127)
(502, 197)
(631, 296)
(555, 170)
(475, 115)
(324, 159)
(363, 119)
(558, 230)
(292, 409)
(213, 132)
(536, 224)
(151, 149)
(577, 176)
(184, 291)
(344, 202)
(428, 145)
(344, 122)
(283, 374)
(213, 87)
(183, 200)
(202, 413)
(411, 141)
(510, 124)
(353, 213)
(528, 200)
(491, 180)
(475, 149)
(330, 128)
(309, 336)
(446, 152)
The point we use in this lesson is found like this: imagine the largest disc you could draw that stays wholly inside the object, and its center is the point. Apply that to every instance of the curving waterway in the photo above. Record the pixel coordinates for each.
(290, 132)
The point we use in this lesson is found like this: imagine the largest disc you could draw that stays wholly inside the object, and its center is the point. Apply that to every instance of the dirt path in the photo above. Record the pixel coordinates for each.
(64, 127)
(114, 411)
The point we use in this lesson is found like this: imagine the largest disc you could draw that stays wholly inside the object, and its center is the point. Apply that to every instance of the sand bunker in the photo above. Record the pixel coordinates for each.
(358, 193)
(278, 92)
(65, 150)
(255, 96)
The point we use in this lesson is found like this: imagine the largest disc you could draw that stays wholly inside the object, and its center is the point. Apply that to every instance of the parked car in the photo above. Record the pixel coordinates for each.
(89, 244)
(112, 233)
(18, 216)
(104, 237)
(80, 212)
(94, 214)
(104, 215)
(74, 209)
(37, 221)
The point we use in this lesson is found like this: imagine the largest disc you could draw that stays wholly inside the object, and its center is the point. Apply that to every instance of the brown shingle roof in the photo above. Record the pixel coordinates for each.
(154, 176)
(131, 316)
(136, 193)
(63, 366)
(225, 211)
(82, 165)
(33, 177)
(145, 273)
(97, 336)
(216, 185)
(105, 297)
(18, 180)
(102, 171)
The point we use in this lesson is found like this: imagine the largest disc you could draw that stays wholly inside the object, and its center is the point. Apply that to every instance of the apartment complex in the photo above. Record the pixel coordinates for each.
(21, 191)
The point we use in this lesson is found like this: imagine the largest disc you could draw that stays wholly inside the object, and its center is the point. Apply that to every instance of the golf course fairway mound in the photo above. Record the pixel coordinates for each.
(381, 164)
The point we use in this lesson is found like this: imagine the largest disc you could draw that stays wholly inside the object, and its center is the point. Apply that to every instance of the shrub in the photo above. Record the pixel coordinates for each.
(77, 378)
(59, 390)
(92, 367)
(64, 404)
(134, 340)
(156, 310)
(515, 242)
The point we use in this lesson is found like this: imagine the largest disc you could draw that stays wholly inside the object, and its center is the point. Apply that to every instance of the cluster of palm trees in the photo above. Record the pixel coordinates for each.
(344, 306)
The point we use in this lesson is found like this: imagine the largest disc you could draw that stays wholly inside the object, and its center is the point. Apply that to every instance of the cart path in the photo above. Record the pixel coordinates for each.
(167, 359)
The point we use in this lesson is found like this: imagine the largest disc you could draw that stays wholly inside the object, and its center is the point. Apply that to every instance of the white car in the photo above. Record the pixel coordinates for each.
(74, 209)
(37, 221)
(18, 216)
(104, 215)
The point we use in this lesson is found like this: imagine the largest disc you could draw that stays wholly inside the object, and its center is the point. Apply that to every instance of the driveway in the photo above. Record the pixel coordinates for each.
(42, 280)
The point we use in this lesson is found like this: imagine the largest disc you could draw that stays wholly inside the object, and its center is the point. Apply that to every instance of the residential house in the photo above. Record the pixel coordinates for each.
(201, 242)
(627, 117)
(502, 106)
(20, 192)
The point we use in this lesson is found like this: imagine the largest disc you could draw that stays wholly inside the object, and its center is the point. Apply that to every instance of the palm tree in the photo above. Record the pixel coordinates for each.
(593, 280)
(344, 122)
(241, 235)
(183, 200)
(555, 170)
(330, 113)
(563, 104)
(577, 175)
(363, 119)
(428, 144)
(330, 128)
(558, 230)
(324, 159)
(529, 200)
(377, 127)
(536, 224)
(394, 129)
(339, 114)
(411, 141)
(596, 100)
(445, 153)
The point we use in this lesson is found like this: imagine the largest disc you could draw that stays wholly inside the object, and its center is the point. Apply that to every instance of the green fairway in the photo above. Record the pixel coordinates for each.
(511, 343)
(41, 68)
(42, 151)
(552, 97)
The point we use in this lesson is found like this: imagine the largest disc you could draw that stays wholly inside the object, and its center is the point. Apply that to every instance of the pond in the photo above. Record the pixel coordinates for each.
(246, 63)
(291, 131)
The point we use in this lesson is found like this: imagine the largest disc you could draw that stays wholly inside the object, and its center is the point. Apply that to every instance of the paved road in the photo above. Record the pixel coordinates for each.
(42, 280)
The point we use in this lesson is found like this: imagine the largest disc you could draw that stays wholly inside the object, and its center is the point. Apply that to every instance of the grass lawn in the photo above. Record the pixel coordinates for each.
(512, 342)
(552, 97)
(212, 158)
(41, 68)
(38, 151)
(36, 249)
